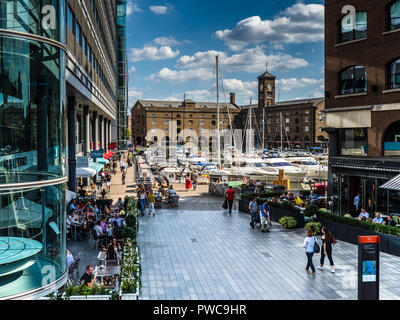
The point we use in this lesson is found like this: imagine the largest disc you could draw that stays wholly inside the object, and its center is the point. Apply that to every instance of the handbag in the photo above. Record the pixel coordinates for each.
(225, 205)
(317, 248)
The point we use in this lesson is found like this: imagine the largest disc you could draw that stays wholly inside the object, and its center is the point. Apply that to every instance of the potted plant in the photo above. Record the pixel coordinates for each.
(83, 292)
(316, 227)
(288, 222)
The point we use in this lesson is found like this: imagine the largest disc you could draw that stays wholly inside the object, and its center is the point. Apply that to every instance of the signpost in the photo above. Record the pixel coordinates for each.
(368, 267)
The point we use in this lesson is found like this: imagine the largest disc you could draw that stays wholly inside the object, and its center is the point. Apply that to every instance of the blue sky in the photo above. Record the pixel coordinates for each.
(172, 47)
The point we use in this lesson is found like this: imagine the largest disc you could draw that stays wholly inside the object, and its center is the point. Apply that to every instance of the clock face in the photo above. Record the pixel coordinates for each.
(269, 86)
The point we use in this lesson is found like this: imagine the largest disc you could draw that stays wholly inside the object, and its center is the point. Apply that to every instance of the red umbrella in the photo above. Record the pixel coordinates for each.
(106, 156)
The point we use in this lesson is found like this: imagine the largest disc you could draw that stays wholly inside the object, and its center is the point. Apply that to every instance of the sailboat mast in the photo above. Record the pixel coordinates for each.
(218, 119)
(281, 132)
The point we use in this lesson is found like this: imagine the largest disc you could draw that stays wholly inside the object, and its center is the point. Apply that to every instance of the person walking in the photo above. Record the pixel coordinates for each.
(230, 196)
(151, 200)
(265, 218)
(327, 242)
(122, 165)
(308, 245)
(142, 199)
(194, 179)
(253, 208)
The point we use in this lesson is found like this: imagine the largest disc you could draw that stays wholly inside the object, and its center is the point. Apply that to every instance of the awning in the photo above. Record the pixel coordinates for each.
(393, 184)
(85, 172)
(96, 166)
(103, 161)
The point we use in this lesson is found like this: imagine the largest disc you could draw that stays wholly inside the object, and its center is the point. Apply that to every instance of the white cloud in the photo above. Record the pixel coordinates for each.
(159, 9)
(132, 7)
(293, 83)
(250, 60)
(152, 53)
(182, 75)
(132, 69)
(243, 89)
(168, 41)
(297, 24)
(133, 94)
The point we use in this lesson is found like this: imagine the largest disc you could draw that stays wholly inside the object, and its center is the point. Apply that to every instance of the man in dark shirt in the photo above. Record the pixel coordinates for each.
(88, 276)
(391, 222)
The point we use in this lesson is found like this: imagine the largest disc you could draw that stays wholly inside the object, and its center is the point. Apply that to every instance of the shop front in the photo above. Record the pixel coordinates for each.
(364, 177)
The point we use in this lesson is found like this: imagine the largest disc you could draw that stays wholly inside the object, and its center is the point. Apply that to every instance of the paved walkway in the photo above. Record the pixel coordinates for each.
(200, 254)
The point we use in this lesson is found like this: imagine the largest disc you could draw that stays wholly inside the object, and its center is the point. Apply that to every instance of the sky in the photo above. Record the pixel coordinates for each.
(172, 47)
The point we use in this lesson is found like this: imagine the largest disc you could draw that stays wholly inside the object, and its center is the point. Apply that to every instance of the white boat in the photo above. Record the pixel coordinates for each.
(294, 174)
(313, 169)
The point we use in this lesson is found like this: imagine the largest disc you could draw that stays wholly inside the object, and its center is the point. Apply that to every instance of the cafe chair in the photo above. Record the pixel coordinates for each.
(74, 268)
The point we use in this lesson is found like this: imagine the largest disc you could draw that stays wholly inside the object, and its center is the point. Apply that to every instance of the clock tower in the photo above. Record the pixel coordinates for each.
(266, 89)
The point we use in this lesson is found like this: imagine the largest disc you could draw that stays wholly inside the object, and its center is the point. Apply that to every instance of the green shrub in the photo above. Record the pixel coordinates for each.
(285, 205)
(360, 224)
(311, 210)
(131, 220)
(288, 222)
(316, 227)
(129, 233)
(83, 289)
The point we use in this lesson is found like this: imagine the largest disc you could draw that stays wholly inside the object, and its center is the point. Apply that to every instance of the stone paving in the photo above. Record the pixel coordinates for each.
(202, 254)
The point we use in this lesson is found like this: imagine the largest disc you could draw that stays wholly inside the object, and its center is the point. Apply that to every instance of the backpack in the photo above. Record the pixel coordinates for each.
(317, 248)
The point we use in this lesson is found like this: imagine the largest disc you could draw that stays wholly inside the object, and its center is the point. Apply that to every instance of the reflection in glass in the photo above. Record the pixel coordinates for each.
(395, 16)
(353, 142)
(353, 31)
(353, 80)
(32, 238)
(32, 93)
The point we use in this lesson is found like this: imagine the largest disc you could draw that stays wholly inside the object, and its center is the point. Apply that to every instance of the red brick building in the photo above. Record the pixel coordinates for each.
(362, 83)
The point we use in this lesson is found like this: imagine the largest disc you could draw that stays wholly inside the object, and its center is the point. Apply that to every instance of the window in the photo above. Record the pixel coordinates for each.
(287, 120)
(153, 115)
(277, 121)
(71, 20)
(320, 129)
(178, 116)
(166, 121)
(297, 130)
(320, 119)
(201, 122)
(154, 121)
(394, 75)
(269, 121)
(395, 16)
(202, 116)
(353, 142)
(277, 129)
(297, 121)
(84, 48)
(178, 122)
(214, 123)
(353, 31)
(353, 80)
(166, 129)
(307, 119)
(166, 115)
(306, 128)
(78, 33)
(190, 121)
(287, 129)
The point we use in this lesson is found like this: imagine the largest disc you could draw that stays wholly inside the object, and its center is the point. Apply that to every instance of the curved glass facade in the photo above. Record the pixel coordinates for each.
(43, 18)
(32, 147)
(32, 239)
(32, 94)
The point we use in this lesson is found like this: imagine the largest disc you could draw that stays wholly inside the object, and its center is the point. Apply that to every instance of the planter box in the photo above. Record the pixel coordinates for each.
(129, 297)
(104, 298)
(277, 214)
(244, 206)
(389, 244)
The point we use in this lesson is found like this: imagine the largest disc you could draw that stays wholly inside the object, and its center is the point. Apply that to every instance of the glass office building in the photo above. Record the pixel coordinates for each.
(32, 148)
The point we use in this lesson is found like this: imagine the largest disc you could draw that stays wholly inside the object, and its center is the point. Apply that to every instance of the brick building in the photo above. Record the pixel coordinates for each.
(149, 115)
(362, 83)
(299, 121)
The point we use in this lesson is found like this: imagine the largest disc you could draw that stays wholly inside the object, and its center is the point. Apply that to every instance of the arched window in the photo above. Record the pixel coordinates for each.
(391, 140)
(394, 74)
(395, 16)
(351, 30)
(353, 80)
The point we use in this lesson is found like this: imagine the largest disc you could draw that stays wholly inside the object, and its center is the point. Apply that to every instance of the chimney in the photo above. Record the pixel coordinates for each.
(233, 98)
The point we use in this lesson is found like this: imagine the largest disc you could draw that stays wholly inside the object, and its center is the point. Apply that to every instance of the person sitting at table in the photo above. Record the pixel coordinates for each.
(378, 218)
(103, 224)
(390, 222)
(363, 214)
(70, 259)
(113, 250)
(88, 277)
(72, 206)
(82, 192)
(313, 198)
(171, 190)
(119, 203)
(99, 233)
(75, 217)
(298, 201)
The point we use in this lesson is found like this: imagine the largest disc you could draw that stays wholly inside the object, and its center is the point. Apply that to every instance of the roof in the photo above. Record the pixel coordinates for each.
(179, 104)
(304, 102)
(267, 75)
